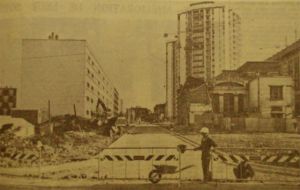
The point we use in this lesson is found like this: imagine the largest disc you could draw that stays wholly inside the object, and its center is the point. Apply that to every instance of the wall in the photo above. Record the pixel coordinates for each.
(97, 85)
(264, 91)
(255, 124)
(53, 70)
(32, 116)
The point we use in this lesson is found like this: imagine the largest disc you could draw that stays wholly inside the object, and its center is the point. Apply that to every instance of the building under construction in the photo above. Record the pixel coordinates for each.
(212, 39)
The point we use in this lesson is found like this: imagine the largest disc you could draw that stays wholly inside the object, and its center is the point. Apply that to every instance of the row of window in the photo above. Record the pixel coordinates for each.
(99, 72)
(91, 87)
(90, 74)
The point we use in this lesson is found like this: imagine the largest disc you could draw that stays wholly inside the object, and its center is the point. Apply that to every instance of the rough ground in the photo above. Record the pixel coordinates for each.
(68, 142)
(254, 140)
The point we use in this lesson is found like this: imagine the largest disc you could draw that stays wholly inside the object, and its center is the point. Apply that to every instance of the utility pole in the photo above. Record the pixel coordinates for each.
(167, 76)
(49, 114)
(258, 92)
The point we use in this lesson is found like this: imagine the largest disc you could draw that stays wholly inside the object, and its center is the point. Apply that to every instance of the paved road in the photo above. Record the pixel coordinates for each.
(131, 156)
(188, 186)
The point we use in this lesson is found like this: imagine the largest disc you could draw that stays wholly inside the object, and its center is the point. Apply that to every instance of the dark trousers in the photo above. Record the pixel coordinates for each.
(205, 169)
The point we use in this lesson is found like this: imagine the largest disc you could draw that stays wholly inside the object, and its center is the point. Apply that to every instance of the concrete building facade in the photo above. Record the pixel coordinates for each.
(63, 73)
(272, 96)
(289, 59)
(213, 40)
(193, 101)
(255, 88)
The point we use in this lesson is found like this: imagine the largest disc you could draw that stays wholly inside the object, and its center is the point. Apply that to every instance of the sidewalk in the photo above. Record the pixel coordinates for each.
(30, 183)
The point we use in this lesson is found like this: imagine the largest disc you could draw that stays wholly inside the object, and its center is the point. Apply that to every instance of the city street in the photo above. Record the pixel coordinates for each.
(130, 159)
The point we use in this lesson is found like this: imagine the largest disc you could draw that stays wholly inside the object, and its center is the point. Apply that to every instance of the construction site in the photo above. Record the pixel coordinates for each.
(90, 157)
(145, 95)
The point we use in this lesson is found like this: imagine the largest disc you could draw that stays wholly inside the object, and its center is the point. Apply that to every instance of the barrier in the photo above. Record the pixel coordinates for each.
(135, 163)
(17, 156)
(139, 162)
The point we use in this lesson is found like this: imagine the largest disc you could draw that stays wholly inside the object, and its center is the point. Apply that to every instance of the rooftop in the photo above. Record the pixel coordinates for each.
(259, 66)
(289, 49)
(201, 3)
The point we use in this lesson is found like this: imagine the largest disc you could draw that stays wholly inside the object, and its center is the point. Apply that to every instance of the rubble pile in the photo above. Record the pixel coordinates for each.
(63, 140)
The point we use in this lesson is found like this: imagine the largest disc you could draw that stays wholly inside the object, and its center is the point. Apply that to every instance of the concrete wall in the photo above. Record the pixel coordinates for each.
(53, 70)
(264, 92)
(100, 86)
(257, 124)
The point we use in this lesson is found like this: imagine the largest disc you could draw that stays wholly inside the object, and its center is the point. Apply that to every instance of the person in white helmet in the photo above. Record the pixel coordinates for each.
(207, 144)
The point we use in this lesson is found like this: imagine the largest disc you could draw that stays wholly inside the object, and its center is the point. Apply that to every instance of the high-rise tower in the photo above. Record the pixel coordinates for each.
(213, 39)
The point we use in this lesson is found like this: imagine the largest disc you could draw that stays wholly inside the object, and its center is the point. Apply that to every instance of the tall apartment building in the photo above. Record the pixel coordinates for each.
(172, 79)
(213, 39)
(65, 73)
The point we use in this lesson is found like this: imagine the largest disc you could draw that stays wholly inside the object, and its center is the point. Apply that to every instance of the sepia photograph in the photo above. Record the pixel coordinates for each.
(149, 94)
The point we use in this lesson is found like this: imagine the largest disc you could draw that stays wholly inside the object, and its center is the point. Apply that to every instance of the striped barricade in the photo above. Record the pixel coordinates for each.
(280, 160)
(134, 164)
(18, 157)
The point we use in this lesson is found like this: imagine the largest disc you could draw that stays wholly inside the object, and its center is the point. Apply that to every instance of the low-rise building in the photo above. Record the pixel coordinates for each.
(193, 101)
(255, 88)
(272, 96)
(289, 61)
(229, 94)
(137, 114)
(159, 112)
(8, 100)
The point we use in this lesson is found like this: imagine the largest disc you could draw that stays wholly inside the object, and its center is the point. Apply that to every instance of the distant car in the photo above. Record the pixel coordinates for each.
(121, 122)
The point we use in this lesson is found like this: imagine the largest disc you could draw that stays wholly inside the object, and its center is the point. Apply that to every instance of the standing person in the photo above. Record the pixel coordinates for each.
(207, 144)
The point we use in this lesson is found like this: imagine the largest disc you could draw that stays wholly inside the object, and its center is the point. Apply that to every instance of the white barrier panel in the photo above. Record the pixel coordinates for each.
(134, 163)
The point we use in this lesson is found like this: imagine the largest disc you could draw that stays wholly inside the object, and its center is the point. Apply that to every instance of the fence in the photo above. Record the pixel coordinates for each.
(255, 124)
(167, 163)
(138, 163)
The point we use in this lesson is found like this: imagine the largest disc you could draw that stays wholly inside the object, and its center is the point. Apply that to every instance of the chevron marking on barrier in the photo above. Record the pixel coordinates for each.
(271, 159)
(283, 159)
(139, 157)
(20, 156)
(294, 159)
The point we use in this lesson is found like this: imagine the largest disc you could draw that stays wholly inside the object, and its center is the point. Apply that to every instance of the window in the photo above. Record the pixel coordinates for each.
(240, 103)
(87, 112)
(276, 92)
(88, 98)
(276, 108)
(277, 115)
(228, 103)
(88, 85)
(216, 103)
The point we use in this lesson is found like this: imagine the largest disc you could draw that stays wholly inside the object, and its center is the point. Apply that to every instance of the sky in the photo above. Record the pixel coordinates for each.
(127, 38)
